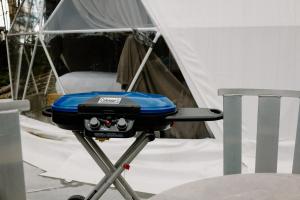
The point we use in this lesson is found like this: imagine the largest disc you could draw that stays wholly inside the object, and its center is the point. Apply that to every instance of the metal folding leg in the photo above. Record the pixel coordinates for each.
(113, 172)
(103, 166)
(112, 167)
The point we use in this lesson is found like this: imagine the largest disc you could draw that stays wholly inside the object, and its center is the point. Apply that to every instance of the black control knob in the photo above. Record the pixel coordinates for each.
(122, 124)
(94, 123)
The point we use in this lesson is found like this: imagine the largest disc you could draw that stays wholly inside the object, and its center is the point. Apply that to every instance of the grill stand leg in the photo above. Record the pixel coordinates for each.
(113, 172)
(112, 167)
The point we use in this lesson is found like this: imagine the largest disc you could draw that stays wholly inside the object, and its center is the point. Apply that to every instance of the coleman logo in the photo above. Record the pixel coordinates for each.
(109, 100)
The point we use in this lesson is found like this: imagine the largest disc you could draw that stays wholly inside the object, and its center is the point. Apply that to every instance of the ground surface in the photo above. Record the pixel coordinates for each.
(44, 188)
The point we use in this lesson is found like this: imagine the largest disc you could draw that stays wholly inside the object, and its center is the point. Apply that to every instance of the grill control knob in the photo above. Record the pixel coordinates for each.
(122, 124)
(94, 123)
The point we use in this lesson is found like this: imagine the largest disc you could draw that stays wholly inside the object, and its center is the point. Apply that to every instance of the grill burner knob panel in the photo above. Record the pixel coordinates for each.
(122, 124)
(94, 123)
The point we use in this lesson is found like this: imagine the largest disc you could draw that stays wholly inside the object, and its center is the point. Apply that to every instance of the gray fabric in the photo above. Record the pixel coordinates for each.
(98, 14)
(156, 78)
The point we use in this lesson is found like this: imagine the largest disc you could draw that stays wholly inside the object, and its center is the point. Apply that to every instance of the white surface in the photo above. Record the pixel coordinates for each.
(238, 187)
(234, 44)
(87, 81)
(163, 164)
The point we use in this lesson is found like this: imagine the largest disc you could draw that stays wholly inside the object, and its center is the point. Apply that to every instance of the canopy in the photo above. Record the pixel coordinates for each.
(98, 14)
(237, 44)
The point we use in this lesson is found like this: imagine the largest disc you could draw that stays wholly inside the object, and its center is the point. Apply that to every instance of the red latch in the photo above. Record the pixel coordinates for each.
(107, 123)
(126, 166)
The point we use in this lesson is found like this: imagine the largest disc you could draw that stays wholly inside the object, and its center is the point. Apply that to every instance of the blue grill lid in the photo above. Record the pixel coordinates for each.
(149, 103)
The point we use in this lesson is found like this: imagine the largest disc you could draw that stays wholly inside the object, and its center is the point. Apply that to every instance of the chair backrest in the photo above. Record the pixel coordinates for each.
(267, 129)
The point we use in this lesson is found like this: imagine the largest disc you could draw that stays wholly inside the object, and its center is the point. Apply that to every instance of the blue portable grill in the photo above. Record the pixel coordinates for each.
(112, 114)
(119, 115)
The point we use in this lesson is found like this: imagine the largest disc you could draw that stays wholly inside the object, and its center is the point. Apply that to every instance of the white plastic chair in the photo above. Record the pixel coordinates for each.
(267, 129)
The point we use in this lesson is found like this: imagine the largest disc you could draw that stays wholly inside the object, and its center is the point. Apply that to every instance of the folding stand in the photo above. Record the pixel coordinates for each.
(119, 115)
(113, 172)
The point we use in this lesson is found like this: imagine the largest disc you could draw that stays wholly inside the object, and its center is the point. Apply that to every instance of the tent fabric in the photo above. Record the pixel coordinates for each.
(156, 78)
(98, 14)
(234, 44)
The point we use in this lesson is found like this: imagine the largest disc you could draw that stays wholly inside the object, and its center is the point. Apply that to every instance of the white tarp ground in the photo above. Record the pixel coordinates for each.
(163, 164)
(234, 44)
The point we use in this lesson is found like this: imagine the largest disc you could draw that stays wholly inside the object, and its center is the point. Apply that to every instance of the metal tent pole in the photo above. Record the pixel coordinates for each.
(53, 13)
(21, 33)
(47, 53)
(9, 69)
(21, 53)
(48, 82)
(21, 49)
(52, 65)
(116, 30)
(30, 69)
(17, 13)
(140, 69)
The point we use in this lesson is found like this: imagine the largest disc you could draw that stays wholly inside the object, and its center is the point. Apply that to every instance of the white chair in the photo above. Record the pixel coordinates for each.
(248, 186)
(267, 129)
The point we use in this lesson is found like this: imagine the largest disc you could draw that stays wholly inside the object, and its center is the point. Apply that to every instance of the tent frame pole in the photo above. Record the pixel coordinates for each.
(115, 30)
(33, 56)
(30, 69)
(53, 13)
(21, 49)
(48, 82)
(52, 65)
(15, 17)
(9, 69)
(142, 65)
(32, 76)
(21, 33)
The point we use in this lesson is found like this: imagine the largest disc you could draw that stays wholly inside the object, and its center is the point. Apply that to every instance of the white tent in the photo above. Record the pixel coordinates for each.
(237, 44)
(217, 43)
